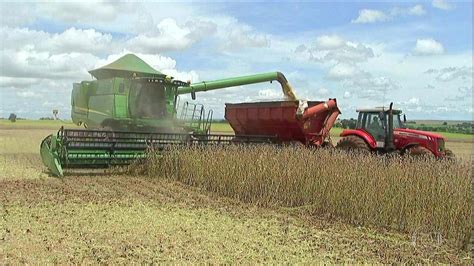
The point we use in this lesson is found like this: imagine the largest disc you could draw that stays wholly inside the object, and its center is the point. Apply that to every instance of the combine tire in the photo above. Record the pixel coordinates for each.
(419, 151)
(354, 144)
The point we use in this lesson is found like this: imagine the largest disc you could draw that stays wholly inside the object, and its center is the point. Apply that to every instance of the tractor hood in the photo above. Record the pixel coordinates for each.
(414, 132)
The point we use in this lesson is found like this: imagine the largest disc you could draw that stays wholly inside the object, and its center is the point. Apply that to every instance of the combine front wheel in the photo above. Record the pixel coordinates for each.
(353, 143)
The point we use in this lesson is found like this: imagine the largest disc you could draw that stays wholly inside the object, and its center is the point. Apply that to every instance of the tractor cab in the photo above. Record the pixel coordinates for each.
(375, 122)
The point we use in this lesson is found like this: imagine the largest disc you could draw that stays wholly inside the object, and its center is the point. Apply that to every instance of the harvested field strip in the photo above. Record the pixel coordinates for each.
(121, 219)
(410, 195)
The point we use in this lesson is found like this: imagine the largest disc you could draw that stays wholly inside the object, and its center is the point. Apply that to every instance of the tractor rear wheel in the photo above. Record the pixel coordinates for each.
(353, 143)
(418, 151)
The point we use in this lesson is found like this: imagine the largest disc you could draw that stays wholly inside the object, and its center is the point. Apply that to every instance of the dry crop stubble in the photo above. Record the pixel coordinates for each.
(412, 195)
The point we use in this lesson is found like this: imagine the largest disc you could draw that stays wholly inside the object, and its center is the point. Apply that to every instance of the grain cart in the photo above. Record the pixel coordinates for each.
(305, 122)
(131, 108)
(382, 130)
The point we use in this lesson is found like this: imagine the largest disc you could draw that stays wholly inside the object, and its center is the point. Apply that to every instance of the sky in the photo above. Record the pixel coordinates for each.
(416, 54)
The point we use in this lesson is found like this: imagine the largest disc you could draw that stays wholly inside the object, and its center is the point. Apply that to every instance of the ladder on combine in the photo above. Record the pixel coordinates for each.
(79, 148)
(194, 116)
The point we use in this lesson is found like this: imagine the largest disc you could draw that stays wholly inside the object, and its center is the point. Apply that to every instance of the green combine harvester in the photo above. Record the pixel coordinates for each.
(130, 108)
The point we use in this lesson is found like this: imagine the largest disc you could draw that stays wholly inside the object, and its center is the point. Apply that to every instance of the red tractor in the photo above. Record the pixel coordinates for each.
(381, 130)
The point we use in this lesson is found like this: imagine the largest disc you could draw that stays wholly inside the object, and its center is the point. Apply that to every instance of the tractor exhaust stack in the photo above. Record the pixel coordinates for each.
(389, 146)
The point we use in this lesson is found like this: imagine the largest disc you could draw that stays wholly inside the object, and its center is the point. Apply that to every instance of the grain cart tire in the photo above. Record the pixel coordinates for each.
(419, 151)
(353, 143)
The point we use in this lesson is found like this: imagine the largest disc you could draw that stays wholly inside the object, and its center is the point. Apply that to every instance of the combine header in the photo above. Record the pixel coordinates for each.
(79, 148)
(131, 108)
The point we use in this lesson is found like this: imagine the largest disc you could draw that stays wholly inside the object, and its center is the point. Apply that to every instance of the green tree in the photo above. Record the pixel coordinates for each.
(12, 117)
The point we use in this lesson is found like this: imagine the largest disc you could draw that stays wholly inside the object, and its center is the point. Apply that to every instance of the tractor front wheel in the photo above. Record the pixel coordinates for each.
(418, 151)
(353, 143)
(449, 154)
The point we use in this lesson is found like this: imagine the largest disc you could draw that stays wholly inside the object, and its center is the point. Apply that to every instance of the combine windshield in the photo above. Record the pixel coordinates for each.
(147, 100)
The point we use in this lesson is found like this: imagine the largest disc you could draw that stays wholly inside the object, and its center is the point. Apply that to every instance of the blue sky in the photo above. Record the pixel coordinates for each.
(417, 54)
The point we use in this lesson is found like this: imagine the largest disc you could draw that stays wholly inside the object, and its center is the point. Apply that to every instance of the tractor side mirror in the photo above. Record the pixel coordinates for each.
(193, 95)
(404, 118)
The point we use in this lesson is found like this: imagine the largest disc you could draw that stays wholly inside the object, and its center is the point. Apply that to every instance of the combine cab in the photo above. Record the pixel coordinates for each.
(382, 130)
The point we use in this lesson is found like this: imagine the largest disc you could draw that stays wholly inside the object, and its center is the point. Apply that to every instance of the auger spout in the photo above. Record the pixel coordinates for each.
(239, 81)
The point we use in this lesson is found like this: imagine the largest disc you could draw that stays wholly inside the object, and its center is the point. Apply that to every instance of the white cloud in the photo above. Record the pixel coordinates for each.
(70, 40)
(167, 36)
(414, 104)
(442, 4)
(335, 49)
(428, 47)
(323, 92)
(16, 13)
(82, 12)
(344, 58)
(417, 10)
(350, 52)
(28, 94)
(15, 83)
(373, 88)
(452, 73)
(373, 15)
(270, 94)
(301, 48)
(329, 42)
(347, 95)
(200, 28)
(370, 16)
(430, 87)
(462, 94)
(343, 71)
(236, 35)
(78, 40)
(18, 38)
(414, 101)
(35, 64)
